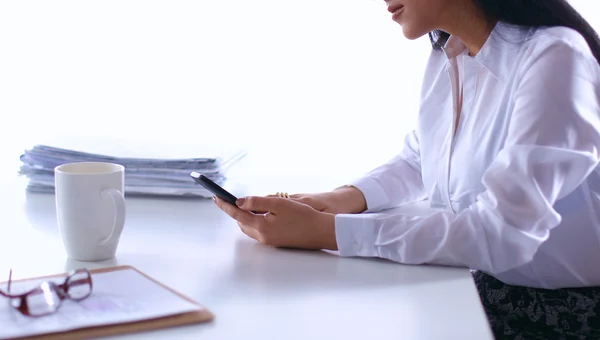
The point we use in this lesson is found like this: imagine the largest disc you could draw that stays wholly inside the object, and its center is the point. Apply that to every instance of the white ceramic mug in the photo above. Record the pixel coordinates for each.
(90, 208)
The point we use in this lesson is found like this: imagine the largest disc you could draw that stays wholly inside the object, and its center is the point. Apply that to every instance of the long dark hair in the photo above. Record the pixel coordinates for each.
(532, 13)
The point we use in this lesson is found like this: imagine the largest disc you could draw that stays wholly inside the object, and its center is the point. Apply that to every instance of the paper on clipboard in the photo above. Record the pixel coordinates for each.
(118, 297)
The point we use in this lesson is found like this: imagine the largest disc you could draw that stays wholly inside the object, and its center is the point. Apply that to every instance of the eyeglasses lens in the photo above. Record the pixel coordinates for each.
(79, 286)
(43, 300)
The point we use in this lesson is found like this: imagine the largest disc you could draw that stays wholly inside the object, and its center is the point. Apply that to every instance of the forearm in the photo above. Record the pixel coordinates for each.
(347, 200)
(479, 238)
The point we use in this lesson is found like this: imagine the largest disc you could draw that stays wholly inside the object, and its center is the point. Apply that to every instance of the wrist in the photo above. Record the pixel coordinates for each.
(326, 238)
(350, 199)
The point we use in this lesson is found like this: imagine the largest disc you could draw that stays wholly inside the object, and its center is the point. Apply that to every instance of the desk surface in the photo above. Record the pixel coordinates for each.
(254, 291)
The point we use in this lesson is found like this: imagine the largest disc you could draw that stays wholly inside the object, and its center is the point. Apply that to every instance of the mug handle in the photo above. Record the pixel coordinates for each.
(119, 207)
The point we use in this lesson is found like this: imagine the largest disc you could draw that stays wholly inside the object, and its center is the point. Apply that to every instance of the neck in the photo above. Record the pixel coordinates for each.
(471, 27)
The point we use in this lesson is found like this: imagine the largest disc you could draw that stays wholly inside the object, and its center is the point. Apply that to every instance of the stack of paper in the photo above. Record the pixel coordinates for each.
(143, 176)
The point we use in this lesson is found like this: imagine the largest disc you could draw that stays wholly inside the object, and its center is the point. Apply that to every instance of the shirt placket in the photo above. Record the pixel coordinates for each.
(463, 79)
(454, 74)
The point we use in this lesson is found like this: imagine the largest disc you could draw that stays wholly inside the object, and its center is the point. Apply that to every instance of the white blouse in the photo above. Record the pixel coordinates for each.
(516, 190)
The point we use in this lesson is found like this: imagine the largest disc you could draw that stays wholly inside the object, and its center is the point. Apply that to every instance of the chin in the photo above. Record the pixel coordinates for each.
(410, 34)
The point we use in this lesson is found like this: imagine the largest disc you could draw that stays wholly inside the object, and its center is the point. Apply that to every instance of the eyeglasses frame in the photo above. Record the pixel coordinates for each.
(62, 290)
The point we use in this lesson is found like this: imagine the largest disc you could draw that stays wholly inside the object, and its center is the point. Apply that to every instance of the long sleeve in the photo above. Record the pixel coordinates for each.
(551, 147)
(396, 182)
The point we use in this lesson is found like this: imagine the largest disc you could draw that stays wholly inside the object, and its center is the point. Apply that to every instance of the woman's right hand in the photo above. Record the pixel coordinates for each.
(345, 200)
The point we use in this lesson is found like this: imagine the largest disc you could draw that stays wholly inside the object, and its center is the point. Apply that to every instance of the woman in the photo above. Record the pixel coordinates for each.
(506, 150)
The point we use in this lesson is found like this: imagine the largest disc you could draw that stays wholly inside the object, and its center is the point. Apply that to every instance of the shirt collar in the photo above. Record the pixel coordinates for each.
(499, 52)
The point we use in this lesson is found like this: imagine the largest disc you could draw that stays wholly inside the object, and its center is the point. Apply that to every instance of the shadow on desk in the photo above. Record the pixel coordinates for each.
(261, 267)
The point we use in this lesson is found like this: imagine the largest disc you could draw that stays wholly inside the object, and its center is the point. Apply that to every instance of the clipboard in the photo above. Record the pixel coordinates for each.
(201, 315)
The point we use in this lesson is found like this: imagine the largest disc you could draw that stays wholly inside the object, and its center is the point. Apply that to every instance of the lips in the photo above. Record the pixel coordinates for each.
(394, 8)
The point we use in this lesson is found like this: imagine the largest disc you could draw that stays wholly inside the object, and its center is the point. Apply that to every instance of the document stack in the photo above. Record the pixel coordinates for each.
(143, 176)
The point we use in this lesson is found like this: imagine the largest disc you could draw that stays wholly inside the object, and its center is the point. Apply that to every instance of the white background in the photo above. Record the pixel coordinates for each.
(321, 88)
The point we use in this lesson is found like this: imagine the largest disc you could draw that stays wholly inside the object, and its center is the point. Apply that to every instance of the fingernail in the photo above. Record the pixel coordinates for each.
(214, 199)
(240, 202)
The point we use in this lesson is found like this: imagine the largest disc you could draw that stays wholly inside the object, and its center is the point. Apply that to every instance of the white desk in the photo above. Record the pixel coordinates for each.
(256, 292)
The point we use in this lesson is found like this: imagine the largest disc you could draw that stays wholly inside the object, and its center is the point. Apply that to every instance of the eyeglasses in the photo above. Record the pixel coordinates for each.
(48, 296)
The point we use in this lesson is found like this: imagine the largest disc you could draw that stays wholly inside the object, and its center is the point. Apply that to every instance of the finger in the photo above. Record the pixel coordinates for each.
(264, 212)
(249, 231)
(244, 217)
(279, 194)
(256, 203)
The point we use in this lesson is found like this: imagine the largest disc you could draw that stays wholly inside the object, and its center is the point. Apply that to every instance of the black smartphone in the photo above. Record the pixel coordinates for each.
(214, 188)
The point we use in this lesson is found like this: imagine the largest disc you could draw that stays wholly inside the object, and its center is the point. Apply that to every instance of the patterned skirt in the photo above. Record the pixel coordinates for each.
(530, 313)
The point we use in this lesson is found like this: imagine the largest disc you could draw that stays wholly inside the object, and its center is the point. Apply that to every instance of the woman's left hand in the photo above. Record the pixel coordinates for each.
(288, 223)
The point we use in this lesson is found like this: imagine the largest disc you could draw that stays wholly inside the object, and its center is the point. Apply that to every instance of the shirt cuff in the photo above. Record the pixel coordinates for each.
(355, 235)
(375, 195)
